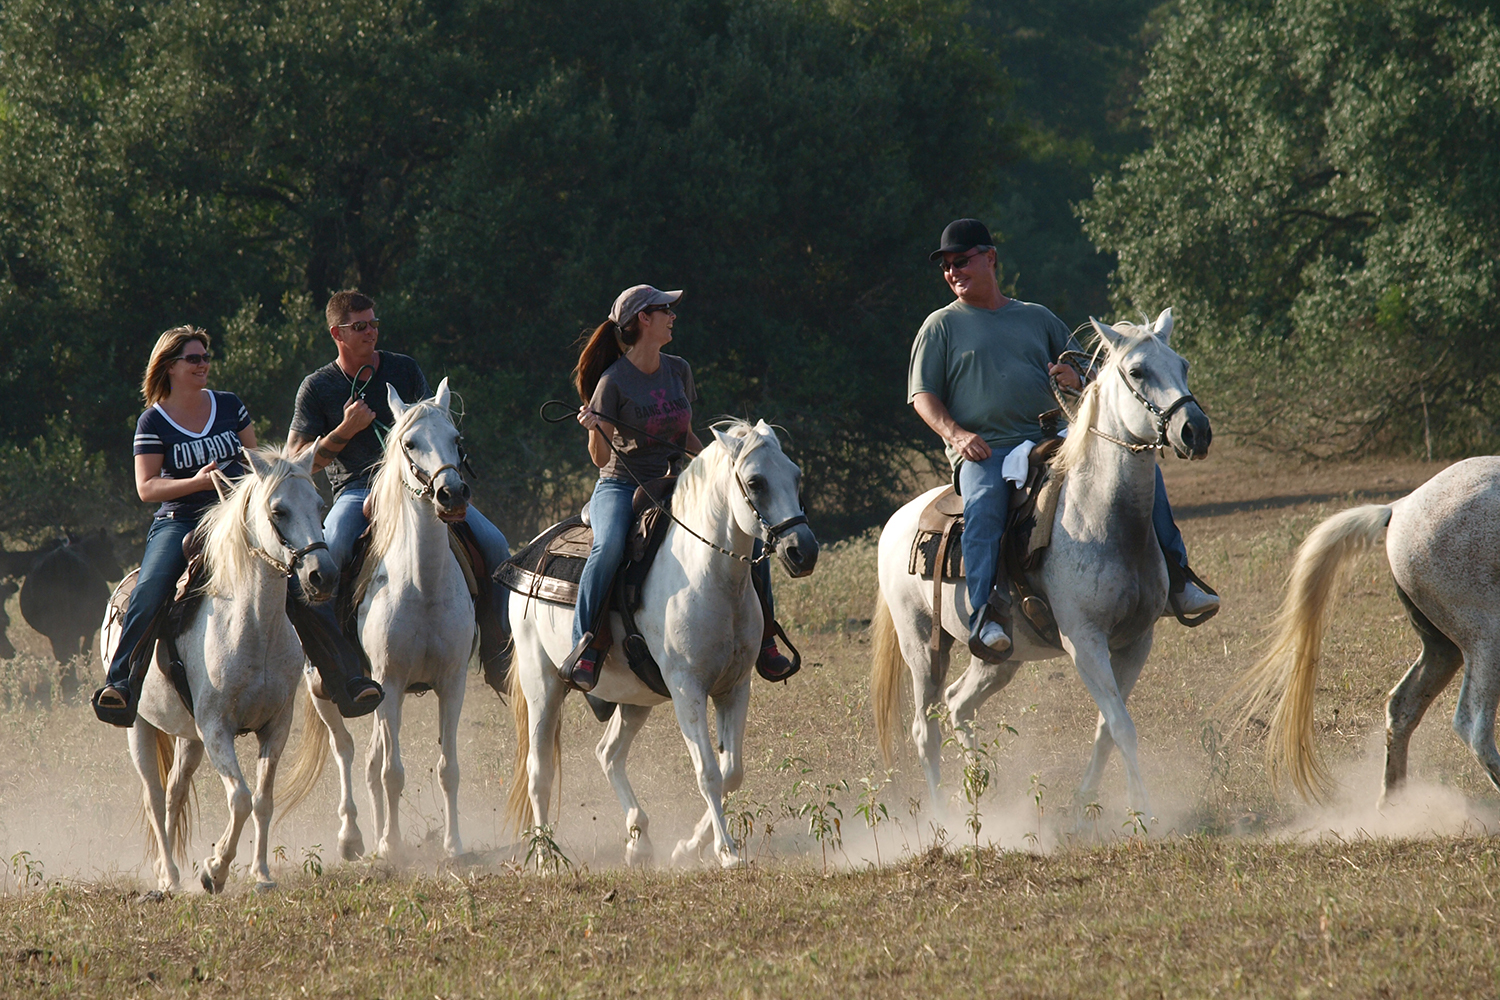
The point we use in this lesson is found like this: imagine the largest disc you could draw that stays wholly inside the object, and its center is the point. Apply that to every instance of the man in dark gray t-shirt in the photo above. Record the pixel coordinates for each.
(338, 409)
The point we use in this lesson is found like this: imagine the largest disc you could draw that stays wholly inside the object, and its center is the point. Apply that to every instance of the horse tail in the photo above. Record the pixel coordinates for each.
(1287, 674)
(518, 802)
(306, 761)
(885, 675)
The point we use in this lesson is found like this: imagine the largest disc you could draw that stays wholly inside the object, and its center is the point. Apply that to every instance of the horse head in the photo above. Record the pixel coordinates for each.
(1148, 392)
(281, 516)
(767, 503)
(428, 443)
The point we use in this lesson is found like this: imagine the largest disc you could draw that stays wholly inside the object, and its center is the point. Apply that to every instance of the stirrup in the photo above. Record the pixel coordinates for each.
(122, 716)
(1194, 621)
(794, 662)
(568, 666)
(355, 702)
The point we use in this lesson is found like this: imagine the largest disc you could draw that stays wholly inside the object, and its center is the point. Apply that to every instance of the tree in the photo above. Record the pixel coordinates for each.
(1321, 204)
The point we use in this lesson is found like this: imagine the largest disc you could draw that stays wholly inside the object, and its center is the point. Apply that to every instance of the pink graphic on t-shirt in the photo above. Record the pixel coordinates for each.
(666, 419)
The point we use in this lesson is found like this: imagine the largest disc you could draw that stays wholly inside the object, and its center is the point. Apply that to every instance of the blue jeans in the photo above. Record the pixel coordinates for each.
(161, 565)
(986, 496)
(610, 515)
(346, 522)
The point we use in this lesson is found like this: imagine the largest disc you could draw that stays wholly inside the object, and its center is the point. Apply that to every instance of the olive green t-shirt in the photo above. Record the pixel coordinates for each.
(989, 368)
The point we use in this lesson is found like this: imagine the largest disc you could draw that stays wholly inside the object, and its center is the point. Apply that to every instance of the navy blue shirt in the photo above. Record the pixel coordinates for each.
(183, 452)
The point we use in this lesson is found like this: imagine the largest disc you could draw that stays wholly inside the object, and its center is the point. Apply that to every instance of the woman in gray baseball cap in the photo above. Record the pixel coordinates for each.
(638, 409)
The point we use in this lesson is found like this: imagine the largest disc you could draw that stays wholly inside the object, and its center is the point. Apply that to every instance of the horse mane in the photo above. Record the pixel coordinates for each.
(696, 496)
(224, 528)
(1075, 447)
(388, 509)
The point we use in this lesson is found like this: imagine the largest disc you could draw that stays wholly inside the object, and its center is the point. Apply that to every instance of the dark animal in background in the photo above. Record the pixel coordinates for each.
(7, 587)
(64, 597)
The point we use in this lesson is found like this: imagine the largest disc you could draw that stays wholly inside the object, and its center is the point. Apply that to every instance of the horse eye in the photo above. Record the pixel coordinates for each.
(757, 483)
(1137, 373)
(278, 513)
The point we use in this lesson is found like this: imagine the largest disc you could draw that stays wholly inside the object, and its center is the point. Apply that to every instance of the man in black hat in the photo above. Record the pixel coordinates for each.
(979, 377)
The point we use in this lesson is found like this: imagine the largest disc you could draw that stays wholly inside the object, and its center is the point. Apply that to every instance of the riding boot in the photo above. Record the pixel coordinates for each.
(130, 685)
(996, 611)
(771, 664)
(343, 668)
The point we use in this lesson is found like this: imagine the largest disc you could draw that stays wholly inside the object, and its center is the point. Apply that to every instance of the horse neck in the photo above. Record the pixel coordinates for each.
(262, 593)
(1115, 481)
(717, 524)
(420, 546)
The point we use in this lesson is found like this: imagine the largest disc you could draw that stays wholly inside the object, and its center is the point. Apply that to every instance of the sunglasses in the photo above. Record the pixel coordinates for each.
(659, 309)
(362, 325)
(195, 359)
(961, 263)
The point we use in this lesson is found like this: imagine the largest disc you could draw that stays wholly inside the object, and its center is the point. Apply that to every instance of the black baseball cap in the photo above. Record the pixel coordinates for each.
(962, 235)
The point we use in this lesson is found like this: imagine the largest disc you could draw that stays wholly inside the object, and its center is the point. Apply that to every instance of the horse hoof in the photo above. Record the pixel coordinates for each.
(685, 853)
(728, 860)
(639, 853)
(265, 887)
(206, 880)
(352, 849)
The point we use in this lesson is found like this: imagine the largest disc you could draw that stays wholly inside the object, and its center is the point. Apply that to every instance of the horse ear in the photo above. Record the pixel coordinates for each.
(442, 397)
(304, 462)
(258, 465)
(1163, 326)
(729, 442)
(393, 397)
(1107, 334)
(764, 429)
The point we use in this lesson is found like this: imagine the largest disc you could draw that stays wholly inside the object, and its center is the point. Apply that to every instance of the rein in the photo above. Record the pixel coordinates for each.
(773, 531)
(1162, 417)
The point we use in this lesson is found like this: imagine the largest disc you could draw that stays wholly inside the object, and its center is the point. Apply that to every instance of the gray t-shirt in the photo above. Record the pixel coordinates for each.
(661, 404)
(320, 408)
(989, 368)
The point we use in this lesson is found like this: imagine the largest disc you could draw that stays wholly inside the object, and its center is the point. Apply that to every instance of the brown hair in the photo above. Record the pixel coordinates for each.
(346, 302)
(156, 387)
(601, 348)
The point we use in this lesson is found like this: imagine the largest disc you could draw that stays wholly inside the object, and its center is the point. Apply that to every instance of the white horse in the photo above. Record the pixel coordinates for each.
(242, 659)
(1443, 545)
(1104, 573)
(416, 622)
(702, 621)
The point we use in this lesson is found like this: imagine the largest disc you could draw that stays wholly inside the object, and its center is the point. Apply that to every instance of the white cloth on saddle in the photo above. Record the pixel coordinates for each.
(1017, 464)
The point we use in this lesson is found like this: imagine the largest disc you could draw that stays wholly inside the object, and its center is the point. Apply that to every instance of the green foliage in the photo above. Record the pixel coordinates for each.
(1321, 204)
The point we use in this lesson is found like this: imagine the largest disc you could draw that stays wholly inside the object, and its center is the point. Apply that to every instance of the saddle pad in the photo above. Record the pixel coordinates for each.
(550, 565)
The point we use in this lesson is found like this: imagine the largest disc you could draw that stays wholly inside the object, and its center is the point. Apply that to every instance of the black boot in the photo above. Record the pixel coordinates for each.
(771, 664)
(342, 666)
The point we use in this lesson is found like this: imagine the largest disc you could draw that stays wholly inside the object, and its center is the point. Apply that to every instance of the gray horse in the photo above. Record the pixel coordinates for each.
(1104, 573)
(1443, 544)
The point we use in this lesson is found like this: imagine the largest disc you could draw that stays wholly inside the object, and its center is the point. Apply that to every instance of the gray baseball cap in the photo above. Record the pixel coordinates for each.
(637, 298)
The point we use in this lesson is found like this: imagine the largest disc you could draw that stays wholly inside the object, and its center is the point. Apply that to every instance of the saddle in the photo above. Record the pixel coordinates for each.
(549, 567)
(494, 640)
(935, 554)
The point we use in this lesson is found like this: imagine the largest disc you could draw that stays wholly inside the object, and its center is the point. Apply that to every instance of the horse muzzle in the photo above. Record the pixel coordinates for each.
(318, 575)
(1191, 433)
(798, 551)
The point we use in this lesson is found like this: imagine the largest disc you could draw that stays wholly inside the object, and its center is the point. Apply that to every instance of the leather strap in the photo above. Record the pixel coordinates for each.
(939, 567)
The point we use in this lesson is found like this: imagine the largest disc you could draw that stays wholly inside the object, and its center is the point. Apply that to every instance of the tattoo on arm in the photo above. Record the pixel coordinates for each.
(333, 437)
(325, 455)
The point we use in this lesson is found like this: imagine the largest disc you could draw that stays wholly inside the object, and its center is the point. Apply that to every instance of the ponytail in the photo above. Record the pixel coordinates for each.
(602, 348)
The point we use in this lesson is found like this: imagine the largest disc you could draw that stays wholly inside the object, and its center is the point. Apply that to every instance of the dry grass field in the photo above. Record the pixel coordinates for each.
(1227, 889)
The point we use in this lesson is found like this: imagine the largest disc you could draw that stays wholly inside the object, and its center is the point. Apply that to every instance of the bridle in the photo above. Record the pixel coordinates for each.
(425, 478)
(773, 531)
(289, 567)
(1162, 417)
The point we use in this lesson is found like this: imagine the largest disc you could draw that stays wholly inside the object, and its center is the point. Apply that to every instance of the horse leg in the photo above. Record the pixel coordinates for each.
(1095, 665)
(142, 740)
(544, 715)
(928, 672)
(732, 710)
(613, 747)
(974, 688)
(272, 740)
(1474, 719)
(692, 716)
(1126, 665)
(374, 765)
(1413, 695)
(450, 703)
(351, 843)
(188, 755)
(219, 744)
(392, 782)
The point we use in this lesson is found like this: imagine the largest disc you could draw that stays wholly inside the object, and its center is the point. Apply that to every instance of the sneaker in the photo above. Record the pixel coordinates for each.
(1191, 601)
(771, 664)
(993, 636)
(585, 672)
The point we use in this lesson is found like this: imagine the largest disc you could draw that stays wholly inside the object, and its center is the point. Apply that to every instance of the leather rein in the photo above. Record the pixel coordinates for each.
(1162, 417)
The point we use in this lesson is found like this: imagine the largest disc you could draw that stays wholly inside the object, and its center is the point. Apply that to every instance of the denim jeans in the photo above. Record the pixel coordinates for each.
(346, 522)
(610, 515)
(161, 565)
(986, 496)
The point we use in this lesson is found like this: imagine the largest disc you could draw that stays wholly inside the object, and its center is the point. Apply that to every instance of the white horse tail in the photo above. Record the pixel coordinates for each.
(1287, 674)
(885, 675)
(182, 818)
(306, 761)
(518, 802)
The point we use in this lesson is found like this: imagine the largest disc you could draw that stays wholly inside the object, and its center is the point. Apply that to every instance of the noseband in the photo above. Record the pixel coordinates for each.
(1162, 418)
(773, 531)
(428, 491)
(289, 567)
